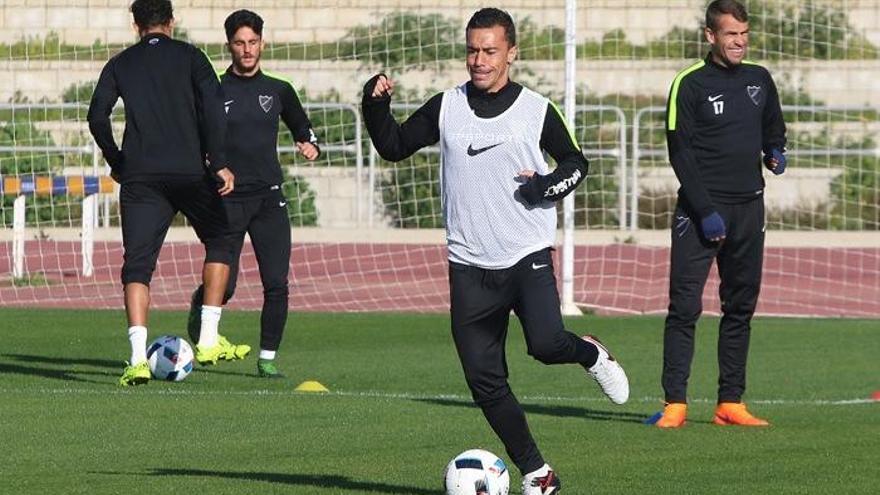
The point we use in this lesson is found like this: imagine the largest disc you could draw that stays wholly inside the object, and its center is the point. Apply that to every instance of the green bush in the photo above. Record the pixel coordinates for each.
(534, 43)
(596, 199)
(410, 40)
(805, 29)
(656, 208)
(411, 192)
(856, 191)
(403, 39)
(780, 29)
(79, 92)
(300, 201)
(801, 217)
(17, 129)
(52, 48)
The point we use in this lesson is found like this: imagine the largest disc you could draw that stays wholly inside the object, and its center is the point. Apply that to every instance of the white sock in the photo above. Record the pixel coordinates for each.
(137, 336)
(210, 323)
(264, 354)
(541, 471)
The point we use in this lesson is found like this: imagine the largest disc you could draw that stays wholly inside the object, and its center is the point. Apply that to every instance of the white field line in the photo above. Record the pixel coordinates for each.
(403, 396)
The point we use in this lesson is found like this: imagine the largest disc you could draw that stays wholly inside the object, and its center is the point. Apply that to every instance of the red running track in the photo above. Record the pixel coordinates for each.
(612, 279)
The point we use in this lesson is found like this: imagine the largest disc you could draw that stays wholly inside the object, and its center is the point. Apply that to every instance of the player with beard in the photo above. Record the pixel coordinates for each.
(255, 100)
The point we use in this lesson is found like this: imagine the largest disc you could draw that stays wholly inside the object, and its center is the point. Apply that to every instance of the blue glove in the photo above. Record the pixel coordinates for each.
(713, 227)
(777, 155)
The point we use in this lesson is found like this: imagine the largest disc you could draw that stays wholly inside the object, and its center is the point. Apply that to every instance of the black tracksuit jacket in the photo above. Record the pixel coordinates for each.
(254, 105)
(718, 122)
(172, 101)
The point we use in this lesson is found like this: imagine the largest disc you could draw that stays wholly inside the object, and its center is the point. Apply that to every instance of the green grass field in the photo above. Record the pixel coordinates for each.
(398, 410)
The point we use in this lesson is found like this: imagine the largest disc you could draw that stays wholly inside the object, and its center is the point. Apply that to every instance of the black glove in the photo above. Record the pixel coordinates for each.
(532, 191)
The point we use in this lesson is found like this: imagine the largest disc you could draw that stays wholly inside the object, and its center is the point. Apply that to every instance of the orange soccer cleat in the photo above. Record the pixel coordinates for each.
(735, 413)
(674, 416)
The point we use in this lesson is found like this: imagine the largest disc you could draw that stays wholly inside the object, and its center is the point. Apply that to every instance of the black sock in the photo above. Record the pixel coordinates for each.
(507, 419)
(589, 353)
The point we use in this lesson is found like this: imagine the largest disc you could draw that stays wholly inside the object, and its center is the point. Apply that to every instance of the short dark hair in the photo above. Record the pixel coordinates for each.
(151, 13)
(720, 7)
(491, 17)
(243, 18)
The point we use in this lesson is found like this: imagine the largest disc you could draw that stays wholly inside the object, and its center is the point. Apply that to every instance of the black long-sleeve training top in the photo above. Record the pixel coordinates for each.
(718, 121)
(169, 89)
(253, 106)
(395, 142)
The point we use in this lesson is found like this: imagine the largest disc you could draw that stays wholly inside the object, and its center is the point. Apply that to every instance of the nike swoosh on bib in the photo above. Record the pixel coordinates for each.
(471, 151)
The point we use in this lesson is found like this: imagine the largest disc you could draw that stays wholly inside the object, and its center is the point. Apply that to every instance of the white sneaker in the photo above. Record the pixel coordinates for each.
(608, 373)
(541, 482)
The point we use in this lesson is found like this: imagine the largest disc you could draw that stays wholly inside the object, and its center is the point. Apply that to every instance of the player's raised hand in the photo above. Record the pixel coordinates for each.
(308, 150)
(384, 87)
(228, 179)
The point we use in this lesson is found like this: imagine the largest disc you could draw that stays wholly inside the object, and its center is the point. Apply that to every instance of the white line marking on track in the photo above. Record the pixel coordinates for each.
(405, 396)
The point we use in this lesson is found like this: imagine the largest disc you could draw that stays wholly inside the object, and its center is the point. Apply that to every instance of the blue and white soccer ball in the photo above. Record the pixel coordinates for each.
(476, 472)
(170, 357)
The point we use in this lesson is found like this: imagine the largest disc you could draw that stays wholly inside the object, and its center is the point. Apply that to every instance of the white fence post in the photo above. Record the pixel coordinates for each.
(96, 171)
(18, 236)
(371, 181)
(89, 220)
(568, 305)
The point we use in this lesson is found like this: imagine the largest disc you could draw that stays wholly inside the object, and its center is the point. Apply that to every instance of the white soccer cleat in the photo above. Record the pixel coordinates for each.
(608, 373)
(541, 482)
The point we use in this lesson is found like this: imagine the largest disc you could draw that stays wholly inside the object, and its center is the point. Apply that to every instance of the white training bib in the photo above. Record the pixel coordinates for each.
(487, 223)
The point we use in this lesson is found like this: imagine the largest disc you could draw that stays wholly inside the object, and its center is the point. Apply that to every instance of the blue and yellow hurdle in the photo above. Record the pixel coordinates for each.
(44, 185)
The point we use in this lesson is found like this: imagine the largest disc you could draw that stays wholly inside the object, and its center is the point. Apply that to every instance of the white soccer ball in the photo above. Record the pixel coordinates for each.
(170, 357)
(476, 472)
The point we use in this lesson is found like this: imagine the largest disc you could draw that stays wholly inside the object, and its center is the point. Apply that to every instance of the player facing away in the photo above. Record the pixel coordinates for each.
(254, 101)
(161, 168)
(499, 207)
(722, 113)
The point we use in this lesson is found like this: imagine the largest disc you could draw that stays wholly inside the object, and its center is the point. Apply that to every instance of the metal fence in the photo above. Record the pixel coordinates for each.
(628, 180)
(638, 152)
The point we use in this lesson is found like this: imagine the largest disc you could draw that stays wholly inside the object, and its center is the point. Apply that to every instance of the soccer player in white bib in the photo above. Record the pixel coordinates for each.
(499, 206)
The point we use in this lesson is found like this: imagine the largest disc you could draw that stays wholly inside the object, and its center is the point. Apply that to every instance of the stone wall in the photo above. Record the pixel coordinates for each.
(84, 21)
